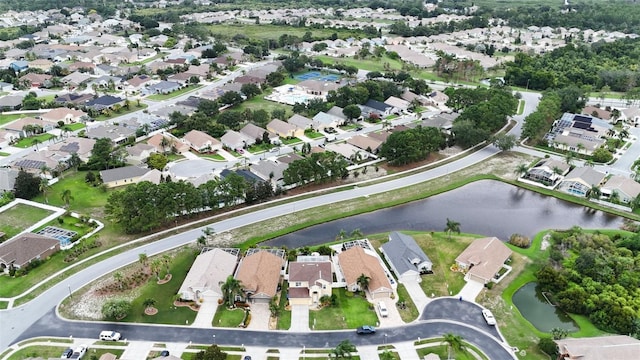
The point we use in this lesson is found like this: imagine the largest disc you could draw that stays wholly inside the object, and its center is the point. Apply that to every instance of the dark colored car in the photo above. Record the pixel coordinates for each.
(247, 357)
(164, 353)
(366, 329)
(359, 128)
(67, 353)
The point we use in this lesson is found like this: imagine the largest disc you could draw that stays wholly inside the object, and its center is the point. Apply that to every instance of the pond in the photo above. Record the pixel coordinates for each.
(535, 307)
(486, 207)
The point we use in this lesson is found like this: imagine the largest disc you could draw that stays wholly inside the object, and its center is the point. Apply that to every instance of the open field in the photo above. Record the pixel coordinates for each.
(19, 217)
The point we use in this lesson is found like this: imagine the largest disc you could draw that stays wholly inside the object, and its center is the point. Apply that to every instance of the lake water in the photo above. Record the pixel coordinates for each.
(537, 310)
(487, 207)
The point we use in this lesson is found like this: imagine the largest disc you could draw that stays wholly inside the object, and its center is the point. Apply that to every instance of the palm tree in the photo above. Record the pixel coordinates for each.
(580, 147)
(230, 288)
(149, 303)
(623, 134)
(142, 259)
(35, 143)
(202, 241)
(454, 342)
(164, 142)
(363, 282)
(611, 132)
(117, 276)
(156, 266)
(44, 188)
(166, 260)
(521, 170)
(615, 197)
(452, 226)
(66, 197)
(595, 192)
(208, 232)
(589, 163)
(569, 157)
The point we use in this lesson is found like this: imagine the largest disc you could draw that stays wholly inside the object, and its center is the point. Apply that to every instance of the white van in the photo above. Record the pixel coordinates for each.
(382, 308)
(109, 336)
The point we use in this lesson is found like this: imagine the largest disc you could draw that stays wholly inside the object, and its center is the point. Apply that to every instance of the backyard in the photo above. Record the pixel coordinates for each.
(19, 217)
(349, 312)
(87, 199)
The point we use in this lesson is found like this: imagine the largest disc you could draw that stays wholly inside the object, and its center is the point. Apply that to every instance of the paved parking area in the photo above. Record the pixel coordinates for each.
(299, 318)
(465, 312)
(420, 299)
(471, 290)
(393, 318)
(260, 315)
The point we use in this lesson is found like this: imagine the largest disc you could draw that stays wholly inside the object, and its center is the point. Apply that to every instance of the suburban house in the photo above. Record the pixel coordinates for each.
(207, 274)
(35, 80)
(35, 161)
(310, 278)
(75, 79)
(137, 82)
(406, 258)
(123, 176)
(338, 112)
(579, 133)
(365, 143)
(323, 120)
(201, 142)
(597, 348)
(138, 153)
(235, 140)
(356, 261)
(397, 104)
(626, 189)
(441, 121)
(597, 112)
(300, 122)
(318, 87)
(25, 248)
(580, 181)
(259, 273)
(547, 171)
(257, 133)
(483, 259)
(269, 171)
(631, 115)
(7, 179)
(163, 87)
(375, 107)
(168, 144)
(20, 126)
(104, 102)
(11, 102)
(118, 134)
(63, 114)
(75, 99)
(80, 146)
(284, 129)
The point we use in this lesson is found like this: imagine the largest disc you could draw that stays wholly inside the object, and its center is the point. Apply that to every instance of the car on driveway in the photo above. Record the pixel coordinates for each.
(66, 353)
(488, 317)
(79, 352)
(366, 329)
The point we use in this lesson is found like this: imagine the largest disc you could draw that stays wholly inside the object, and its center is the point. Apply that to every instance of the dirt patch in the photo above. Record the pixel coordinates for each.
(191, 305)
(166, 279)
(150, 311)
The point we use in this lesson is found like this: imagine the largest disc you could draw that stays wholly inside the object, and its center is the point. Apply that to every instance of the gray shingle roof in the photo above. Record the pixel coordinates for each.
(403, 251)
(122, 173)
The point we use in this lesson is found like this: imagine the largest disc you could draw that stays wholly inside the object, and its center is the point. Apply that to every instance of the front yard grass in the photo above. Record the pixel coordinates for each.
(349, 313)
(290, 141)
(33, 140)
(7, 118)
(36, 351)
(87, 199)
(228, 318)
(17, 218)
(123, 111)
(410, 312)
(258, 148)
(311, 134)
(75, 126)
(164, 295)
(284, 316)
(215, 156)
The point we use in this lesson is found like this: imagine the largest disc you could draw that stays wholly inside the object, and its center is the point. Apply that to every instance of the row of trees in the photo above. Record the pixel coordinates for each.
(316, 167)
(594, 275)
(412, 145)
(146, 206)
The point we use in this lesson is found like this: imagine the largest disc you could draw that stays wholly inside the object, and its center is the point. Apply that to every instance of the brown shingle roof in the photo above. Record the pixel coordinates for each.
(24, 248)
(486, 255)
(355, 262)
(260, 273)
(310, 271)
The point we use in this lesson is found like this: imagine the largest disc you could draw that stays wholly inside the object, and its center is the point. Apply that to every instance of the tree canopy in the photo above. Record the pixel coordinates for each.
(411, 145)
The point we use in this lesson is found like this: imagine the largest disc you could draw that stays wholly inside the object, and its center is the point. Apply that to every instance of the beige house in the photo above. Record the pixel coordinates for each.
(284, 129)
(259, 272)
(598, 348)
(309, 280)
(207, 274)
(357, 261)
(626, 189)
(201, 142)
(483, 259)
(139, 153)
(123, 176)
(25, 248)
(63, 114)
(80, 146)
(168, 144)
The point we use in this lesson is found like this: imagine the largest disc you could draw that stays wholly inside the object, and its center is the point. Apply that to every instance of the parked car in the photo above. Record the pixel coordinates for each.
(330, 130)
(366, 329)
(110, 335)
(382, 308)
(359, 128)
(164, 353)
(488, 317)
(79, 352)
(247, 357)
(66, 353)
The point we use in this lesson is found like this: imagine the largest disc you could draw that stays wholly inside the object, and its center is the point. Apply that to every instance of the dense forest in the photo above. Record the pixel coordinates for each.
(596, 275)
(599, 65)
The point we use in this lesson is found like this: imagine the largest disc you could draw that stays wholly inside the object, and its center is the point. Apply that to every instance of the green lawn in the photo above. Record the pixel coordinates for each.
(228, 318)
(290, 141)
(284, 318)
(215, 156)
(349, 313)
(312, 134)
(146, 61)
(188, 89)
(164, 295)
(442, 351)
(69, 223)
(410, 313)
(371, 64)
(19, 217)
(38, 351)
(132, 108)
(30, 141)
(75, 126)
(259, 103)
(174, 157)
(258, 148)
(87, 199)
(520, 106)
(2, 153)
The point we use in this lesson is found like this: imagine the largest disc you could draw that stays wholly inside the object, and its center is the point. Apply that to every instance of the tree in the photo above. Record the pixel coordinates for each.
(569, 157)
(74, 161)
(453, 342)
(156, 267)
(230, 288)
(149, 303)
(26, 186)
(343, 350)
(142, 259)
(44, 188)
(213, 352)
(595, 192)
(412, 145)
(66, 197)
(157, 161)
(101, 155)
(351, 111)
(118, 277)
(521, 170)
(363, 282)
(250, 90)
(116, 309)
(504, 142)
(452, 226)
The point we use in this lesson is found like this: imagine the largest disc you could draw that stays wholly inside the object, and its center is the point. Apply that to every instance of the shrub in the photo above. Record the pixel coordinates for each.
(489, 285)
(349, 294)
(520, 241)
(548, 346)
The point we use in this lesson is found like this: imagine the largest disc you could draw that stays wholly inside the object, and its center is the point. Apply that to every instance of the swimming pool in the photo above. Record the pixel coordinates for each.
(62, 235)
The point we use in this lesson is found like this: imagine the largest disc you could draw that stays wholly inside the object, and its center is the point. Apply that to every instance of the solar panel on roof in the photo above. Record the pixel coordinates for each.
(582, 118)
(581, 125)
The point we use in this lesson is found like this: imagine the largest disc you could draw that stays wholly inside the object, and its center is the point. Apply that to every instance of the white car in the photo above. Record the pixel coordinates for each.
(488, 317)
(79, 352)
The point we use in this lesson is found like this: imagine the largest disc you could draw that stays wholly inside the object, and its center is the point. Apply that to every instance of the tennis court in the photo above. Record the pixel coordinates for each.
(316, 75)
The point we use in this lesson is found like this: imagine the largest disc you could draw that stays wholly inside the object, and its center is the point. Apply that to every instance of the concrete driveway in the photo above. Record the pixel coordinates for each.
(471, 290)
(206, 312)
(418, 296)
(260, 315)
(299, 318)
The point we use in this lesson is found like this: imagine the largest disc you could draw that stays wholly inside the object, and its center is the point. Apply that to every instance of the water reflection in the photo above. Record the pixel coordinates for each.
(484, 207)
(536, 308)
